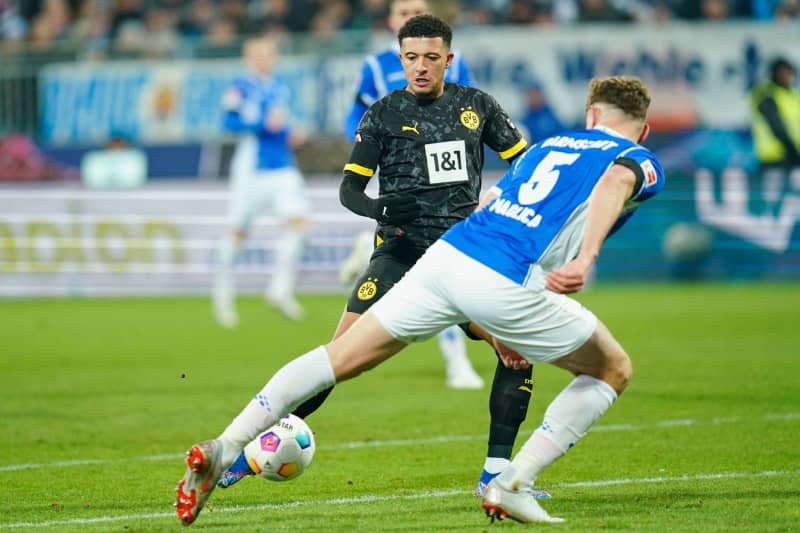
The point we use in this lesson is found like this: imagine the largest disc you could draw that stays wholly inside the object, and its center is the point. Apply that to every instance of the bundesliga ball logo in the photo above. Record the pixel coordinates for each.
(283, 451)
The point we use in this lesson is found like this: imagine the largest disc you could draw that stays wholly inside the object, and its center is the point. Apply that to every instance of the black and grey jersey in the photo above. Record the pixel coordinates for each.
(434, 150)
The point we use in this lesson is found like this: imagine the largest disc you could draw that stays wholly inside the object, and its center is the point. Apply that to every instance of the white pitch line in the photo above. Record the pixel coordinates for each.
(443, 439)
(373, 498)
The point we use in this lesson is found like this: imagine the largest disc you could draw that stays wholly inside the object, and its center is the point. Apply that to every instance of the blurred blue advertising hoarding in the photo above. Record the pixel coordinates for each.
(700, 75)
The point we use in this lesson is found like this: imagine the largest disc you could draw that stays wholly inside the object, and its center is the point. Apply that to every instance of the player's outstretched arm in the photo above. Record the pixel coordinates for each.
(605, 206)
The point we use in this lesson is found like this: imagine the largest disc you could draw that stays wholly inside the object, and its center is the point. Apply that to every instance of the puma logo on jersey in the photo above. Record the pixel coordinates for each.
(410, 128)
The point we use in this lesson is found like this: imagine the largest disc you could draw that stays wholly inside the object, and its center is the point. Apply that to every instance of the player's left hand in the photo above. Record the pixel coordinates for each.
(509, 357)
(572, 277)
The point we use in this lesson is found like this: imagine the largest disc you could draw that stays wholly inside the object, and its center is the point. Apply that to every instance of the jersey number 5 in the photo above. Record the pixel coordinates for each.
(544, 177)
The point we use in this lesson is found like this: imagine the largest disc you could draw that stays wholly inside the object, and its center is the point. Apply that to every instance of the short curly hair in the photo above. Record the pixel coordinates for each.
(627, 93)
(426, 26)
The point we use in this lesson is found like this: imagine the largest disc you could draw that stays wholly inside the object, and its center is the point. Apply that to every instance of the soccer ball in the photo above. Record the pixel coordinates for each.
(283, 451)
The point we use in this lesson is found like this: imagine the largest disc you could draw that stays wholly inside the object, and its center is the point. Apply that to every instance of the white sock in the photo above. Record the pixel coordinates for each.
(494, 465)
(287, 255)
(566, 421)
(294, 383)
(454, 349)
(224, 285)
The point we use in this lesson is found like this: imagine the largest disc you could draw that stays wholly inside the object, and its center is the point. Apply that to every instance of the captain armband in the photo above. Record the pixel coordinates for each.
(635, 167)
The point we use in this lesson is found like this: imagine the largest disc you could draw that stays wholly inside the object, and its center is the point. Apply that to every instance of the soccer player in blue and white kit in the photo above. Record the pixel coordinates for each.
(508, 268)
(264, 176)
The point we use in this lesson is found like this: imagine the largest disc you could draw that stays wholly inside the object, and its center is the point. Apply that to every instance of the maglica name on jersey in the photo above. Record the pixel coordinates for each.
(563, 141)
(509, 209)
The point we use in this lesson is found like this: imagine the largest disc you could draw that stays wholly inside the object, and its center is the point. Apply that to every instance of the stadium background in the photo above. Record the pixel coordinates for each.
(75, 74)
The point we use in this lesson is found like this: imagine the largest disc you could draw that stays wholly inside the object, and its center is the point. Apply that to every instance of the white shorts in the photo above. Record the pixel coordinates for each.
(446, 287)
(280, 192)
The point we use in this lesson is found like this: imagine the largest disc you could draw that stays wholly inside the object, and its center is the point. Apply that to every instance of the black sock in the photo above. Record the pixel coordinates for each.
(508, 406)
(312, 404)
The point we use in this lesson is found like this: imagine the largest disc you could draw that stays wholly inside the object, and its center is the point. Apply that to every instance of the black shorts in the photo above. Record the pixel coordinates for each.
(389, 262)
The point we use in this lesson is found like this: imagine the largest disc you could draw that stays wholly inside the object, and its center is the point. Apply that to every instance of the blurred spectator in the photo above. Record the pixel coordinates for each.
(775, 106)
(715, 9)
(58, 14)
(91, 24)
(565, 11)
(42, 35)
(520, 12)
(368, 15)
(131, 36)
(788, 10)
(13, 27)
(117, 165)
(198, 19)
(601, 11)
(125, 12)
(539, 120)
(223, 32)
(280, 15)
(21, 160)
(161, 37)
(234, 12)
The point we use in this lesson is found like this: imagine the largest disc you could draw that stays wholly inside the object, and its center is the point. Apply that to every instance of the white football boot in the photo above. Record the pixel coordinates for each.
(500, 503)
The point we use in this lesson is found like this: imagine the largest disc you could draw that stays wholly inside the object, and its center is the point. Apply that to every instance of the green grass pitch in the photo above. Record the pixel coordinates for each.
(99, 398)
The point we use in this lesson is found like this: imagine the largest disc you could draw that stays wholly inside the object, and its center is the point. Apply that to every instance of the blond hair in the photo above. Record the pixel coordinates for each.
(627, 93)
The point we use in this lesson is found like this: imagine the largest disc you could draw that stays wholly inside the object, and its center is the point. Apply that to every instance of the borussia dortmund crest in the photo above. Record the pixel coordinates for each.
(367, 290)
(469, 119)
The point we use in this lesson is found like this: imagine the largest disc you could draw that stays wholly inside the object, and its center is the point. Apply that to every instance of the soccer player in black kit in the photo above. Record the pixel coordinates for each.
(428, 142)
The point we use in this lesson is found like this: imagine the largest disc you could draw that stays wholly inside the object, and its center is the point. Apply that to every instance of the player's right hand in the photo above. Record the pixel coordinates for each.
(510, 358)
(397, 209)
(571, 278)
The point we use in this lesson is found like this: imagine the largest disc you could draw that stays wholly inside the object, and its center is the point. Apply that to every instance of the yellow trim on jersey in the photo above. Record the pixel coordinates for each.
(514, 150)
(358, 169)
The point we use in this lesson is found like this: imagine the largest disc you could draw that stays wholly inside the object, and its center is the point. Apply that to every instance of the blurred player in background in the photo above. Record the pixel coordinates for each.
(381, 74)
(507, 267)
(264, 177)
(428, 142)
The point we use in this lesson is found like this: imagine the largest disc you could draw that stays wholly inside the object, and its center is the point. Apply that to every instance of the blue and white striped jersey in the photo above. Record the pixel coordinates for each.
(248, 103)
(537, 222)
(383, 73)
